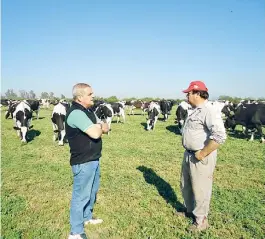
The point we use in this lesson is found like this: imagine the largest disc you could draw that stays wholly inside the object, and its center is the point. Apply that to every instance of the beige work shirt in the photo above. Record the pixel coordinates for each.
(202, 125)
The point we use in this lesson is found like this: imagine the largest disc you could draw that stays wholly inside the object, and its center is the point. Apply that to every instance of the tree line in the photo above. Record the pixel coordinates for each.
(22, 94)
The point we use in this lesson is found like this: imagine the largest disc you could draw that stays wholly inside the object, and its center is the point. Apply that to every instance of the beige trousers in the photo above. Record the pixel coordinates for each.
(196, 183)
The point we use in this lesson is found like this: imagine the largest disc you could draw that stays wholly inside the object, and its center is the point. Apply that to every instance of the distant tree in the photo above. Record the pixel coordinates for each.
(32, 95)
(261, 98)
(23, 94)
(10, 94)
(51, 95)
(129, 99)
(111, 99)
(62, 96)
(44, 95)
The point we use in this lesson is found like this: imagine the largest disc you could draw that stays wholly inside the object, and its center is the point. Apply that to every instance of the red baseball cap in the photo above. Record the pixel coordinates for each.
(196, 85)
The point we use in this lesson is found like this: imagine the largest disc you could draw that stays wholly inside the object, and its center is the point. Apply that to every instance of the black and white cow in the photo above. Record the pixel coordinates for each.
(96, 104)
(105, 113)
(35, 106)
(182, 112)
(11, 108)
(165, 106)
(45, 103)
(251, 116)
(153, 113)
(133, 104)
(5, 102)
(145, 107)
(58, 122)
(118, 110)
(22, 119)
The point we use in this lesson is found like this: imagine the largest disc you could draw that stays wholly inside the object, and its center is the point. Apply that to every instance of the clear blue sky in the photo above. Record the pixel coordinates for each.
(134, 48)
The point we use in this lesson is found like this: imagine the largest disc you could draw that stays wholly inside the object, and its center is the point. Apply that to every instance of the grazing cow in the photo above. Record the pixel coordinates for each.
(145, 107)
(11, 108)
(183, 110)
(58, 122)
(5, 102)
(153, 112)
(118, 110)
(228, 109)
(22, 118)
(35, 106)
(105, 113)
(165, 106)
(251, 116)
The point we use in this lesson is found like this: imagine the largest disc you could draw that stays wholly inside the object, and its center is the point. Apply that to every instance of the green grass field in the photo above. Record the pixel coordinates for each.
(139, 190)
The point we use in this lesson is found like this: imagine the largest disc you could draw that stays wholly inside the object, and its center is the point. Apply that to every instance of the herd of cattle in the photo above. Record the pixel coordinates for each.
(249, 114)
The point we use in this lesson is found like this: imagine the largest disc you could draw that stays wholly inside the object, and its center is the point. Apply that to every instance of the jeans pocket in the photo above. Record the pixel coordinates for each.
(76, 169)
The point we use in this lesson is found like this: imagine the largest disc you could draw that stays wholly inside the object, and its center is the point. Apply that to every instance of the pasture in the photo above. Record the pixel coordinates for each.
(139, 192)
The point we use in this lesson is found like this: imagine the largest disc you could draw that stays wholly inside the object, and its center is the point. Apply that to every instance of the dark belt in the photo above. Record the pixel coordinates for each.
(191, 151)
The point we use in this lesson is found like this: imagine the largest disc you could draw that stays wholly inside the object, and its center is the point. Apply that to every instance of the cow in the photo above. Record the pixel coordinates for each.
(251, 116)
(34, 106)
(133, 104)
(96, 104)
(184, 109)
(165, 106)
(22, 119)
(153, 113)
(105, 113)
(5, 102)
(118, 110)
(228, 109)
(11, 108)
(45, 103)
(58, 122)
(145, 107)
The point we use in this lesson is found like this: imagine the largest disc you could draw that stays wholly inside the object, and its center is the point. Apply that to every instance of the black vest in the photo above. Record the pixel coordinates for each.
(82, 147)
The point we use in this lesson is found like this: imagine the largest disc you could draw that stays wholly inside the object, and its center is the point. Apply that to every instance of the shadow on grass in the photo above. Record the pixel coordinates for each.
(144, 125)
(238, 135)
(135, 114)
(32, 134)
(161, 119)
(163, 187)
(173, 129)
(40, 118)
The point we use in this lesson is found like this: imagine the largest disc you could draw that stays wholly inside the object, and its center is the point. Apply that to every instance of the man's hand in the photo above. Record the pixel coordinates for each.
(199, 155)
(104, 127)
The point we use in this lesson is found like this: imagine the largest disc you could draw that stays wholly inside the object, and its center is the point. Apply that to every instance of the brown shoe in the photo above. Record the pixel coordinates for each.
(195, 227)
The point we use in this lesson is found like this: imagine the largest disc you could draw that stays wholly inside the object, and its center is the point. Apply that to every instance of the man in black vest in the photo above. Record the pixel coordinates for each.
(83, 130)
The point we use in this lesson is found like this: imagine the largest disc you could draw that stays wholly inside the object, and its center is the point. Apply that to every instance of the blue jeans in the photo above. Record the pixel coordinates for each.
(85, 188)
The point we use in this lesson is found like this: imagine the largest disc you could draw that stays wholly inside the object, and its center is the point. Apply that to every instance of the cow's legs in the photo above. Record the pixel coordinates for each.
(156, 117)
(252, 136)
(148, 127)
(37, 114)
(55, 129)
(122, 114)
(23, 133)
(62, 137)
(108, 121)
(259, 128)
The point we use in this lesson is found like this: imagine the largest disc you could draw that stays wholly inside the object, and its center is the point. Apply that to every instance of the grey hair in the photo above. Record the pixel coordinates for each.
(79, 90)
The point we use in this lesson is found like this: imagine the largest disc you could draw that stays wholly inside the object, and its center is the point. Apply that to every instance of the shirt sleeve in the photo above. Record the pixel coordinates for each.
(78, 119)
(215, 125)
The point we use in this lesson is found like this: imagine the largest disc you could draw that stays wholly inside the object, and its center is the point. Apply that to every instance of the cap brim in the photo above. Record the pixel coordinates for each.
(187, 91)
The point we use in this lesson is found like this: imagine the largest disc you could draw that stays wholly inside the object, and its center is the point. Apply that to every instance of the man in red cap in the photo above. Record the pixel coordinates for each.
(203, 132)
